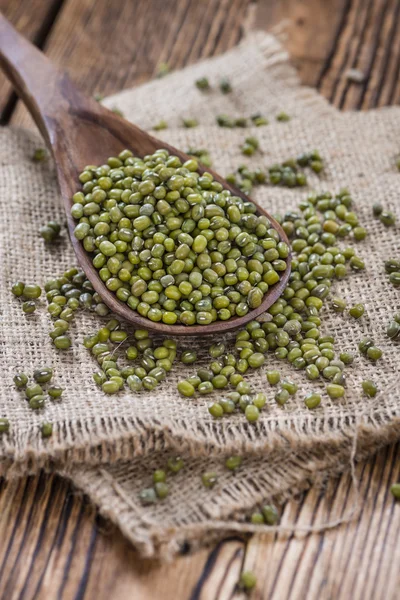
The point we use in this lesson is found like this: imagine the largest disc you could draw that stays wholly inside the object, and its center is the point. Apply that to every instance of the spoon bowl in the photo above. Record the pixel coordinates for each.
(79, 131)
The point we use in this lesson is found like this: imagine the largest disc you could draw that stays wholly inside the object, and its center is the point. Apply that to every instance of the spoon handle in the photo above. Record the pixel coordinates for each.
(47, 92)
(33, 76)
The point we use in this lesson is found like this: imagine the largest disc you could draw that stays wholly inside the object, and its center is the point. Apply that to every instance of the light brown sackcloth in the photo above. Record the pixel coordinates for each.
(109, 445)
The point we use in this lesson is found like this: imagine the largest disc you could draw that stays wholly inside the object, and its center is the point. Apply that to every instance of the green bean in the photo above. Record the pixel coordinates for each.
(188, 357)
(369, 388)
(233, 462)
(47, 429)
(62, 342)
(216, 410)
(346, 357)
(18, 288)
(252, 413)
(39, 155)
(175, 464)
(20, 380)
(334, 390)
(270, 514)
(338, 304)
(247, 580)
(273, 377)
(161, 489)
(290, 386)
(312, 401)
(374, 353)
(387, 218)
(37, 402)
(148, 496)
(159, 475)
(357, 311)
(32, 390)
(395, 490)
(209, 479)
(257, 518)
(202, 84)
(281, 397)
(225, 86)
(4, 425)
(283, 117)
(29, 307)
(43, 374)
(31, 291)
(55, 391)
(259, 400)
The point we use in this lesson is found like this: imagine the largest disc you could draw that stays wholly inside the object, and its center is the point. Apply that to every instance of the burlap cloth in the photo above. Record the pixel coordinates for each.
(109, 445)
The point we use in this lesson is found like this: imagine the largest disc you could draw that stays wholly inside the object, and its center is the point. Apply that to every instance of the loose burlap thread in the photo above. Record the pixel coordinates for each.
(109, 446)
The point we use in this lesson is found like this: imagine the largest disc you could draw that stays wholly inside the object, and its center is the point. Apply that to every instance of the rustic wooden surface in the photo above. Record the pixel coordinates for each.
(52, 543)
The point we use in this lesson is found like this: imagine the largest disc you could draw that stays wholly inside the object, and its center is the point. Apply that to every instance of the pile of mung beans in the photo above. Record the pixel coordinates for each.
(202, 154)
(51, 231)
(160, 488)
(290, 173)
(35, 394)
(292, 332)
(178, 248)
(172, 243)
(147, 365)
(29, 293)
(65, 295)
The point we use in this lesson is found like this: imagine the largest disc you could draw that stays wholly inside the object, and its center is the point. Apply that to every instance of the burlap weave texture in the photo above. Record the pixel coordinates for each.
(119, 440)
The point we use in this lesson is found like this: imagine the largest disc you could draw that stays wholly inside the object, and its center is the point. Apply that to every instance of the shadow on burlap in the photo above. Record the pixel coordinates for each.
(109, 446)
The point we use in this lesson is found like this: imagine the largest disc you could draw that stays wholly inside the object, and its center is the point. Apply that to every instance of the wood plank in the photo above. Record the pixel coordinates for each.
(34, 19)
(342, 562)
(370, 42)
(308, 30)
(197, 576)
(81, 42)
(325, 39)
(53, 545)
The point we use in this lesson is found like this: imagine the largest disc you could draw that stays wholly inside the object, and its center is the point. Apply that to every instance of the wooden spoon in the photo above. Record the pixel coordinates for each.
(79, 131)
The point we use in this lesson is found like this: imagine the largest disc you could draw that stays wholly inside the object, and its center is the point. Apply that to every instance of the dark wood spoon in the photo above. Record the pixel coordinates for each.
(79, 131)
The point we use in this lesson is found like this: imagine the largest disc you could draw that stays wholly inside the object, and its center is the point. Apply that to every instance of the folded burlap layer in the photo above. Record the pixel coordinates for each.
(194, 515)
(118, 440)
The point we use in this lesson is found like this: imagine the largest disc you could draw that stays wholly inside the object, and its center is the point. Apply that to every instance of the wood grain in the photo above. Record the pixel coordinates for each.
(309, 30)
(148, 32)
(53, 545)
(326, 39)
(339, 563)
(370, 42)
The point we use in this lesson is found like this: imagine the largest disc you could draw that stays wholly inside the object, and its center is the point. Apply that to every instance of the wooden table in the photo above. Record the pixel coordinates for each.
(52, 543)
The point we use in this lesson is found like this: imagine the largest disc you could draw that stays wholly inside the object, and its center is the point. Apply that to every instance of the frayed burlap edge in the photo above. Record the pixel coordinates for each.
(320, 462)
(122, 445)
